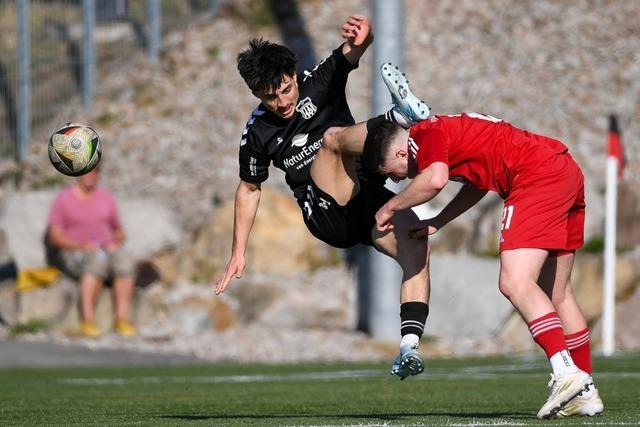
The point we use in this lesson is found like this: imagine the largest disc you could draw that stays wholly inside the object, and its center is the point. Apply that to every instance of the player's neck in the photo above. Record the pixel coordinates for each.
(84, 192)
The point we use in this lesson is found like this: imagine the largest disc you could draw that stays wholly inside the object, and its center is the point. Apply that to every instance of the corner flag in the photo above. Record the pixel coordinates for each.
(615, 145)
(615, 165)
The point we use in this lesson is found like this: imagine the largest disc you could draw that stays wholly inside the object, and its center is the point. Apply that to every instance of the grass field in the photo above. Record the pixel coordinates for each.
(461, 392)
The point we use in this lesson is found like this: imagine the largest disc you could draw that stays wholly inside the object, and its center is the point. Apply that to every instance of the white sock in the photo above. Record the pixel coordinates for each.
(410, 340)
(562, 364)
(393, 115)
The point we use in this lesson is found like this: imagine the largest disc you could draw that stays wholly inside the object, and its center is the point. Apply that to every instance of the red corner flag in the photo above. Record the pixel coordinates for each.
(615, 144)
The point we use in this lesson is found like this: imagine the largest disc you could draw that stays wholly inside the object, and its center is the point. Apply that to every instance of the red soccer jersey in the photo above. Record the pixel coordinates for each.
(481, 150)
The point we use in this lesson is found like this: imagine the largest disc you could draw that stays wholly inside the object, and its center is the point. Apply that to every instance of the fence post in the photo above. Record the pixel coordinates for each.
(23, 117)
(215, 7)
(154, 29)
(88, 51)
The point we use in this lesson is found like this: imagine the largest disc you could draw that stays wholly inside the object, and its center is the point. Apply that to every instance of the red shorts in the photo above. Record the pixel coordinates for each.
(545, 208)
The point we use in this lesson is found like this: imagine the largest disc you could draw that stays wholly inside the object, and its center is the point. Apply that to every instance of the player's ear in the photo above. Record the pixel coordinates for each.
(401, 153)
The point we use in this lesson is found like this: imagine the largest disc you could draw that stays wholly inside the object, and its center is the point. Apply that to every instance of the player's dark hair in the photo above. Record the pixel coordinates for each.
(377, 143)
(263, 64)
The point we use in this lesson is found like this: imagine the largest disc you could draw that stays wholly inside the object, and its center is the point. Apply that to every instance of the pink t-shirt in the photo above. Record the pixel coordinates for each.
(91, 220)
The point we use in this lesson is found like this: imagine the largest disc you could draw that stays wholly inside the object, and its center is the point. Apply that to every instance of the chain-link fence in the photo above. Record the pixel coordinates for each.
(50, 51)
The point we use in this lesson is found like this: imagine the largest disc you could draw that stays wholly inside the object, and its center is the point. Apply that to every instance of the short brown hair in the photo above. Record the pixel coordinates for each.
(377, 144)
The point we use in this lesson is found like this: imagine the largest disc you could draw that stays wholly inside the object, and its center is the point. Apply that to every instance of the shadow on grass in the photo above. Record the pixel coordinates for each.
(384, 417)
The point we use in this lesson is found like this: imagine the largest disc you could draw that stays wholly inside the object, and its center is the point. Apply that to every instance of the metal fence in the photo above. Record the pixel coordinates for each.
(51, 51)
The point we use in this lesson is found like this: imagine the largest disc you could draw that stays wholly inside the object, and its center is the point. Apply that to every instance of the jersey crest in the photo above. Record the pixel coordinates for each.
(306, 108)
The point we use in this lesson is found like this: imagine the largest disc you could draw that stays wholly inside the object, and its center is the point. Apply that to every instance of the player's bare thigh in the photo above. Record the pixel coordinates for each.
(519, 272)
(397, 243)
(411, 253)
(334, 168)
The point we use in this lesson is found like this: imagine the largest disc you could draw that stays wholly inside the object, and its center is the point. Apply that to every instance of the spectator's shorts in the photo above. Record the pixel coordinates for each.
(545, 208)
(105, 265)
(344, 226)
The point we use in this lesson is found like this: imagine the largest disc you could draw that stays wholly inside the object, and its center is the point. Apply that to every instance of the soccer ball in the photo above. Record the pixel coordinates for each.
(75, 149)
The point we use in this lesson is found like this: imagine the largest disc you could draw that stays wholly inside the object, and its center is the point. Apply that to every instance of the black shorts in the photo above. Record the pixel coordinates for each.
(344, 226)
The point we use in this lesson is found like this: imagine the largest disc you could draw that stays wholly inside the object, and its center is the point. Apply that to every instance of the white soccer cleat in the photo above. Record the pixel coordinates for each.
(407, 104)
(563, 389)
(407, 362)
(586, 404)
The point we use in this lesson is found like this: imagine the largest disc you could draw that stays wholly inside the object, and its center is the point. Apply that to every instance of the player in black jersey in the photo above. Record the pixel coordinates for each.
(304, 126)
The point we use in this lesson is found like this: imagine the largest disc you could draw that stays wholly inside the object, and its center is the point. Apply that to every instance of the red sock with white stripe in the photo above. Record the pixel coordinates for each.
(579, 346)
(547, 332)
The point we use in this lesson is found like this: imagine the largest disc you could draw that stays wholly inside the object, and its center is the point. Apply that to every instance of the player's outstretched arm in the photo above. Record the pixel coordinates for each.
(246, 206)
(359, 35)
(421, 189)
(467, 197)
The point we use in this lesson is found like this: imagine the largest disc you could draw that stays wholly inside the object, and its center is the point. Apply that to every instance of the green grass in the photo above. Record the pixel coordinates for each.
(30, 327)
(451, 392)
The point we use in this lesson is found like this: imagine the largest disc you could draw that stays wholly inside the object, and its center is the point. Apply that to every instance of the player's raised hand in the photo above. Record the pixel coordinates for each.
(357, 30)
(234, 267)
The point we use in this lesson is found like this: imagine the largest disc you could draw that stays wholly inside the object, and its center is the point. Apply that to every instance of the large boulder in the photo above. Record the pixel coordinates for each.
(279, 242)
(465, 300)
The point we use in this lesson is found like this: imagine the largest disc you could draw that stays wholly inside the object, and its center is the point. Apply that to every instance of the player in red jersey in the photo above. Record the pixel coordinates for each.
(542, 225)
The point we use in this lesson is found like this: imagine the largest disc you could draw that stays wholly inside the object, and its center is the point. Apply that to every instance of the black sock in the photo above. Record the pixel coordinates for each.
(413, 316)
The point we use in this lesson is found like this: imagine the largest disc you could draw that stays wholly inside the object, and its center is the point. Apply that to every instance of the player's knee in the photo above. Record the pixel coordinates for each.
(507, 285)
(561, 295)
(330, 140)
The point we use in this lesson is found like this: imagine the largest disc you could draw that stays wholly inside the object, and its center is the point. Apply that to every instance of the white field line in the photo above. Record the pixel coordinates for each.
(474, 423)
(482, 373)
(469, 424)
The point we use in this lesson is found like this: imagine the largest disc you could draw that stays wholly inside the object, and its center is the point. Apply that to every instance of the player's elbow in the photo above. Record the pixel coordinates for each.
(438, 176)
(438, 181)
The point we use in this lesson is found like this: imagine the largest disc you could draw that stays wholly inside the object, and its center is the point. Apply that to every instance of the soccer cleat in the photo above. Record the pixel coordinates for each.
(407, 362)
(587, 403)
(407, 104)
(124, 327)
(563, 389)
(89, 330)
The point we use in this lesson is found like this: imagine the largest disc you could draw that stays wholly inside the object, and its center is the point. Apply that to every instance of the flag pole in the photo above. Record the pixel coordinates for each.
(609, 290)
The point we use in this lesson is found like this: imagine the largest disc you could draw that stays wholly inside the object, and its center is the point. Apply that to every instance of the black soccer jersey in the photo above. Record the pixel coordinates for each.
(292, 144)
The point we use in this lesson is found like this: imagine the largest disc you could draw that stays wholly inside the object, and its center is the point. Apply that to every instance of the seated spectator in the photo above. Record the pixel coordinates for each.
(85, 231)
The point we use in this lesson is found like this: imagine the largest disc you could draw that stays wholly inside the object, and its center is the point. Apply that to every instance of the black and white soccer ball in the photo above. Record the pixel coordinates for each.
(75, 149)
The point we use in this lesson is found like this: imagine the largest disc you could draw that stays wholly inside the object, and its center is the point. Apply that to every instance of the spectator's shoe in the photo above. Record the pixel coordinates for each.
(89, 330)
(407, 363)
(587, 403)
(124, 327)
(407, 104)
(563, 389)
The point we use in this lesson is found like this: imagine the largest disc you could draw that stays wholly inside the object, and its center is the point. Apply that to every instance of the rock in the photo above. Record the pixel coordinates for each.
(627, 323)
(279, 242)
(465, 299)
(587, 278)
